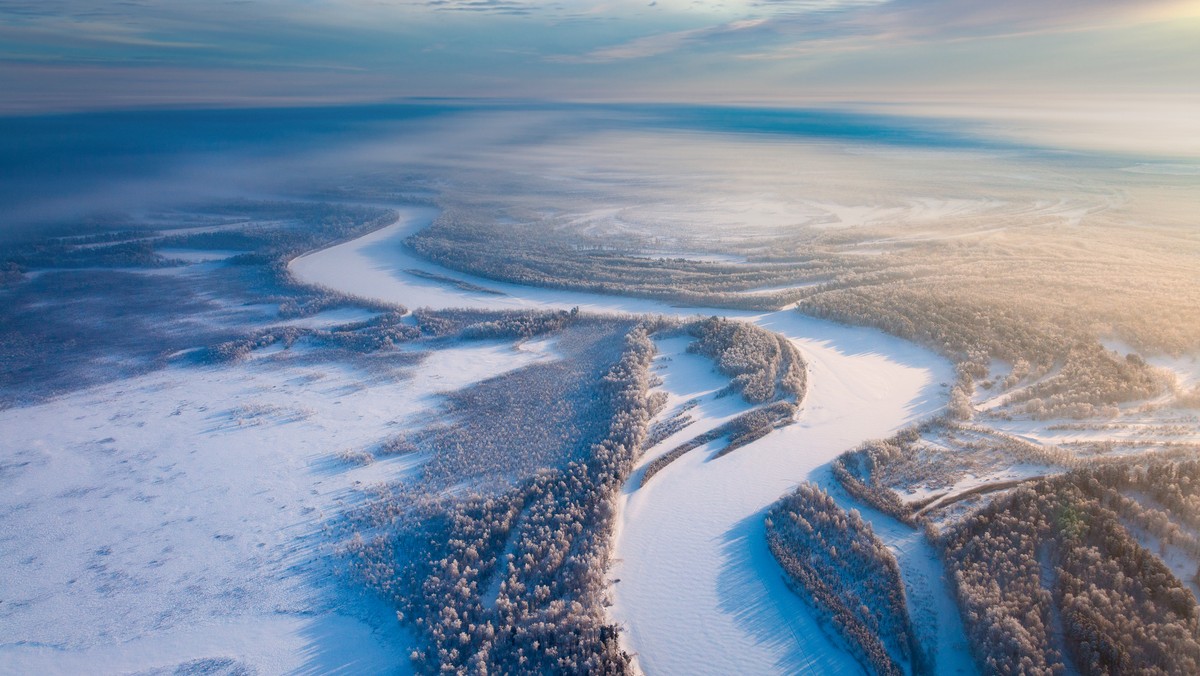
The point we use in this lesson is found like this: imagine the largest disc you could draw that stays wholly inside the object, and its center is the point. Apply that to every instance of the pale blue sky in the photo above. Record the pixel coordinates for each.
(94, 54)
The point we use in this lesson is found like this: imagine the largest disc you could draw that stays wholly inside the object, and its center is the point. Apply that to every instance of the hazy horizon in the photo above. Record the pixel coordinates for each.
(63, 167)
(1116, 74)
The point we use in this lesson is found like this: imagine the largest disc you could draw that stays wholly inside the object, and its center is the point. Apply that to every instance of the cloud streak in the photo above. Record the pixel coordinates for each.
(663, 43)
(802, 27)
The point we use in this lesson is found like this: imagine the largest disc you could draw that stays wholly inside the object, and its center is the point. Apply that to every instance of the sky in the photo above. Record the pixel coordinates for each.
(93, 54)
(1107, 74)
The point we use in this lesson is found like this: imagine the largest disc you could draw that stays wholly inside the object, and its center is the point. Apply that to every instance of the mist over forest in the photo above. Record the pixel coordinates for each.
(84, 165)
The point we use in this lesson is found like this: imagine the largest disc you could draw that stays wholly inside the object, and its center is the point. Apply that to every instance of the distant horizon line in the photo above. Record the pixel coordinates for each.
(944, 119)
(880, 99)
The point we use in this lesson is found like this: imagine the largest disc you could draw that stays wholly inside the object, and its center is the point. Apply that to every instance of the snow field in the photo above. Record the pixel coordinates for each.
(179, 516)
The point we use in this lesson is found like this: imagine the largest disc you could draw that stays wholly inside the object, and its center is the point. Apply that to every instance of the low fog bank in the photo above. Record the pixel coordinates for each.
(77, 173)
(84, 172)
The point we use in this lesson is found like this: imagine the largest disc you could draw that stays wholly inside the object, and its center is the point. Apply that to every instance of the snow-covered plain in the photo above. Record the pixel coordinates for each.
(176, 518)
(699, 591)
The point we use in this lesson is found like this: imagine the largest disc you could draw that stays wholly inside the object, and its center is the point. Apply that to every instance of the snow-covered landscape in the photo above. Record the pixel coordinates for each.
(178, 517)
(689, 553)
(214, 485)
(691, 558)
(671, 338)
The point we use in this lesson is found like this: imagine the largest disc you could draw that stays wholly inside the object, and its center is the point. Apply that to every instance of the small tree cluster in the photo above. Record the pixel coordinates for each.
(834, 560)
(764, 366)
(745, 428)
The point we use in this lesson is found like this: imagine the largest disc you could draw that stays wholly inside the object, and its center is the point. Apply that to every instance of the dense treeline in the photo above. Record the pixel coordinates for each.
(989, 302)
(764, 366)
(756, 424)
(483, 324)
(1167, 502)
(1090, 383)
(537, 417)
(514, 582)
(460, 241)
(391, 328)
(383, 331)
(835, 561)
(1050, 573)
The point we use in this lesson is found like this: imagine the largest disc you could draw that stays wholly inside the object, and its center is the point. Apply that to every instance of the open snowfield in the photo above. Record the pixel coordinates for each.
(699, 590)
(176, 518)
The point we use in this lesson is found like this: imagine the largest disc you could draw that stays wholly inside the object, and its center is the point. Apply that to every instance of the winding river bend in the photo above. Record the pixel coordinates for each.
(698, 590)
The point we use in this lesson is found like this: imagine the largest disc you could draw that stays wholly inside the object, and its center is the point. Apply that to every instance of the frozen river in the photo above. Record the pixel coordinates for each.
(699, 591)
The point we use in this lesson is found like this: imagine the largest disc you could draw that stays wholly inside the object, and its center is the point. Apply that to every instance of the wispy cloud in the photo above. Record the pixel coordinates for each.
(781, 29)
(511, 7)
(914, 21)
(662, 43)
